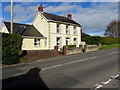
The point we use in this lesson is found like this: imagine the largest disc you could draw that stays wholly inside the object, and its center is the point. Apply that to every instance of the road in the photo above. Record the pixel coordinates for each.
(73, 71)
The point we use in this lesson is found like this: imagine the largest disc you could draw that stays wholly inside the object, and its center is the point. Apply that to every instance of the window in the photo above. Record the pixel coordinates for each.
(75, 41)
(58, 41)
(67, 29)
(74, 30)
(37, 42)
(58, 28)
(67, 41)
(45, 42)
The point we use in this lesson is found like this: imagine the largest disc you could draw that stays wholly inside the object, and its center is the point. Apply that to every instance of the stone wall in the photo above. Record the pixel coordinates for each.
(89, 48)
(73, 51)
(68, 51)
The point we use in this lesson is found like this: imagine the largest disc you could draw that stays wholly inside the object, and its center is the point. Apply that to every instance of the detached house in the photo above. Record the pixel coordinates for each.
(47, 30)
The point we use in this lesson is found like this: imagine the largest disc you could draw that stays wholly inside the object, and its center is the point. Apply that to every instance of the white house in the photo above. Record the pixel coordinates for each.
(47, 30)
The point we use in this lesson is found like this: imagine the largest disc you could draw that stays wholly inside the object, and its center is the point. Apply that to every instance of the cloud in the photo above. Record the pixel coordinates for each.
(22, 13)
(64, 7)
(93, 19)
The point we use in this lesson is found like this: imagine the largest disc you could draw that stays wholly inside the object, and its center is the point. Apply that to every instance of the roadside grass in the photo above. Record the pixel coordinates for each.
(104, 47)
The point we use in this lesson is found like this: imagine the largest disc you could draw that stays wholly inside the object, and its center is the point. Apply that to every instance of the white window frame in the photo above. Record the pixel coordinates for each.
(36, 42)
(67, 29)
(58, 43)
(74, 30)
(75, 41)
(58, 28)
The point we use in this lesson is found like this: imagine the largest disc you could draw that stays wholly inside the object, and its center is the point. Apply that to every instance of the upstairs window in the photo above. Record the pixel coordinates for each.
(67, 29)
(58, 28)
(74, 30)
(36, 42)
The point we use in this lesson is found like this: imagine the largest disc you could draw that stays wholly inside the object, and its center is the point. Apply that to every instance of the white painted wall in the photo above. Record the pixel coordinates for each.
(41, 24)
(63, 35)
(4, 29)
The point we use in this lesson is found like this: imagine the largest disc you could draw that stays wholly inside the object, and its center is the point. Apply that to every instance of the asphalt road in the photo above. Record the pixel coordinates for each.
(73, 71)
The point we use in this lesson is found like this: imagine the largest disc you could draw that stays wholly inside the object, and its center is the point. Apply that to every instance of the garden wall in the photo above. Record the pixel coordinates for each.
(39, 54)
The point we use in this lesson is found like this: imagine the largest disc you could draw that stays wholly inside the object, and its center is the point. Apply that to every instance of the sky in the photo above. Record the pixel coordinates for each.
(92, 16)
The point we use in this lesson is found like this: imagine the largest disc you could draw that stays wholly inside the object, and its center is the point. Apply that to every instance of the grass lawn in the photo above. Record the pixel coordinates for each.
(110, 46)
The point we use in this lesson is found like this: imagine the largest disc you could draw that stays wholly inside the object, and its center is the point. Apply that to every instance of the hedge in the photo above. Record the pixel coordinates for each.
(92, 40)
(71, 46)
(110, 40)
(11, 47)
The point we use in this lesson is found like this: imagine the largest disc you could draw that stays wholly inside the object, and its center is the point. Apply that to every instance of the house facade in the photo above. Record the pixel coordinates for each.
(50, 30)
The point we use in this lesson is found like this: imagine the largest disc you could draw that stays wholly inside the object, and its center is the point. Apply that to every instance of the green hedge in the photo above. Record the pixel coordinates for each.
(71, 46)
(110, 40)
(11, 46)
(92, 40)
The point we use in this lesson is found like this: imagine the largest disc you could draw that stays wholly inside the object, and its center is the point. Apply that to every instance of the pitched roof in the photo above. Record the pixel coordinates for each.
(59, 18)
(24, 29)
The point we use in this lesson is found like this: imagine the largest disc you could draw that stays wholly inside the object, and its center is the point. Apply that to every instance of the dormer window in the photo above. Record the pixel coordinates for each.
(74, 30)
(58, 28)
(67, 29)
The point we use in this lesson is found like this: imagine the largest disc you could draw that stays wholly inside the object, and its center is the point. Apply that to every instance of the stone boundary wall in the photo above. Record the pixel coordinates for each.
(73, 50)
(68, 51)
(80, 49)
(89, 48)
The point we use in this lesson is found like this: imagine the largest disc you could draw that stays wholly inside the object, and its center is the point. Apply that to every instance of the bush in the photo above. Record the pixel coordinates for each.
(110, 40)
(11, 46)
(93, 40)
(71, 46)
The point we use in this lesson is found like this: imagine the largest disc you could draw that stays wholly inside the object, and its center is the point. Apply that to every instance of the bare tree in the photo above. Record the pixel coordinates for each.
(113, 29)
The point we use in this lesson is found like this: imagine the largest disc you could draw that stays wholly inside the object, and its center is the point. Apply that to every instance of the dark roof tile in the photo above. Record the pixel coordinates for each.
(59, 18)
(24, 29)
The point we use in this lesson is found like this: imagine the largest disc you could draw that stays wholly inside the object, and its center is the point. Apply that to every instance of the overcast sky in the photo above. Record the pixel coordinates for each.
(93, 16)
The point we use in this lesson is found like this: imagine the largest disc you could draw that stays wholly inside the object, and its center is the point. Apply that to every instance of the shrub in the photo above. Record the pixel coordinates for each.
(11, 46)
(71, 46)
(93, 40)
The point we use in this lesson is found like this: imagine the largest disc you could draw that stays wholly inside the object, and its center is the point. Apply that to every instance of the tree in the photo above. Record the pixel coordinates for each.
(113, 29)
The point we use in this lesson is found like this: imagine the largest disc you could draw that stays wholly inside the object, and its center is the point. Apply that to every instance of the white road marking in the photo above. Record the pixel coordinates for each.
(108, 81)
(114, 52)
(68, 63)
(99, 86)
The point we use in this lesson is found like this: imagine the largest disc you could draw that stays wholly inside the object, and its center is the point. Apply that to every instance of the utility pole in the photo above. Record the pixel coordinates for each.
(11, 18)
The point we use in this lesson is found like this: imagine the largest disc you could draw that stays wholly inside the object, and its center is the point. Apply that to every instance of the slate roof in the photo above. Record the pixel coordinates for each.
(24, 29)
(59, 18)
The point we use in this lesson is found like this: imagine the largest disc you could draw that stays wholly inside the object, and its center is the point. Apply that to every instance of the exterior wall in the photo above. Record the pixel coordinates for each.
(63, 35)
(28, 44)
(4, 29)
(41, 24)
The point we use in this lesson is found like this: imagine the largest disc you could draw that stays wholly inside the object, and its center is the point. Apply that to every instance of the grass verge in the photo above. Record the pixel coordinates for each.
(104, 47)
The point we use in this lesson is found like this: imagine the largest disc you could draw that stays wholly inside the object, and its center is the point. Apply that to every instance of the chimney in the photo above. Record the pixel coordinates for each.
(69, 15)
(40, 8)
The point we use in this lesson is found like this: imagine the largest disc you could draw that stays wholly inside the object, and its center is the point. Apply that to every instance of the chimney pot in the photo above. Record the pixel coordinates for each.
(69, 15)
(40, 8)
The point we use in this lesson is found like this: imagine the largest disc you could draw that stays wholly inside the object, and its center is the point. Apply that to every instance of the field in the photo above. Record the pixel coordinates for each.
(104, 47)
